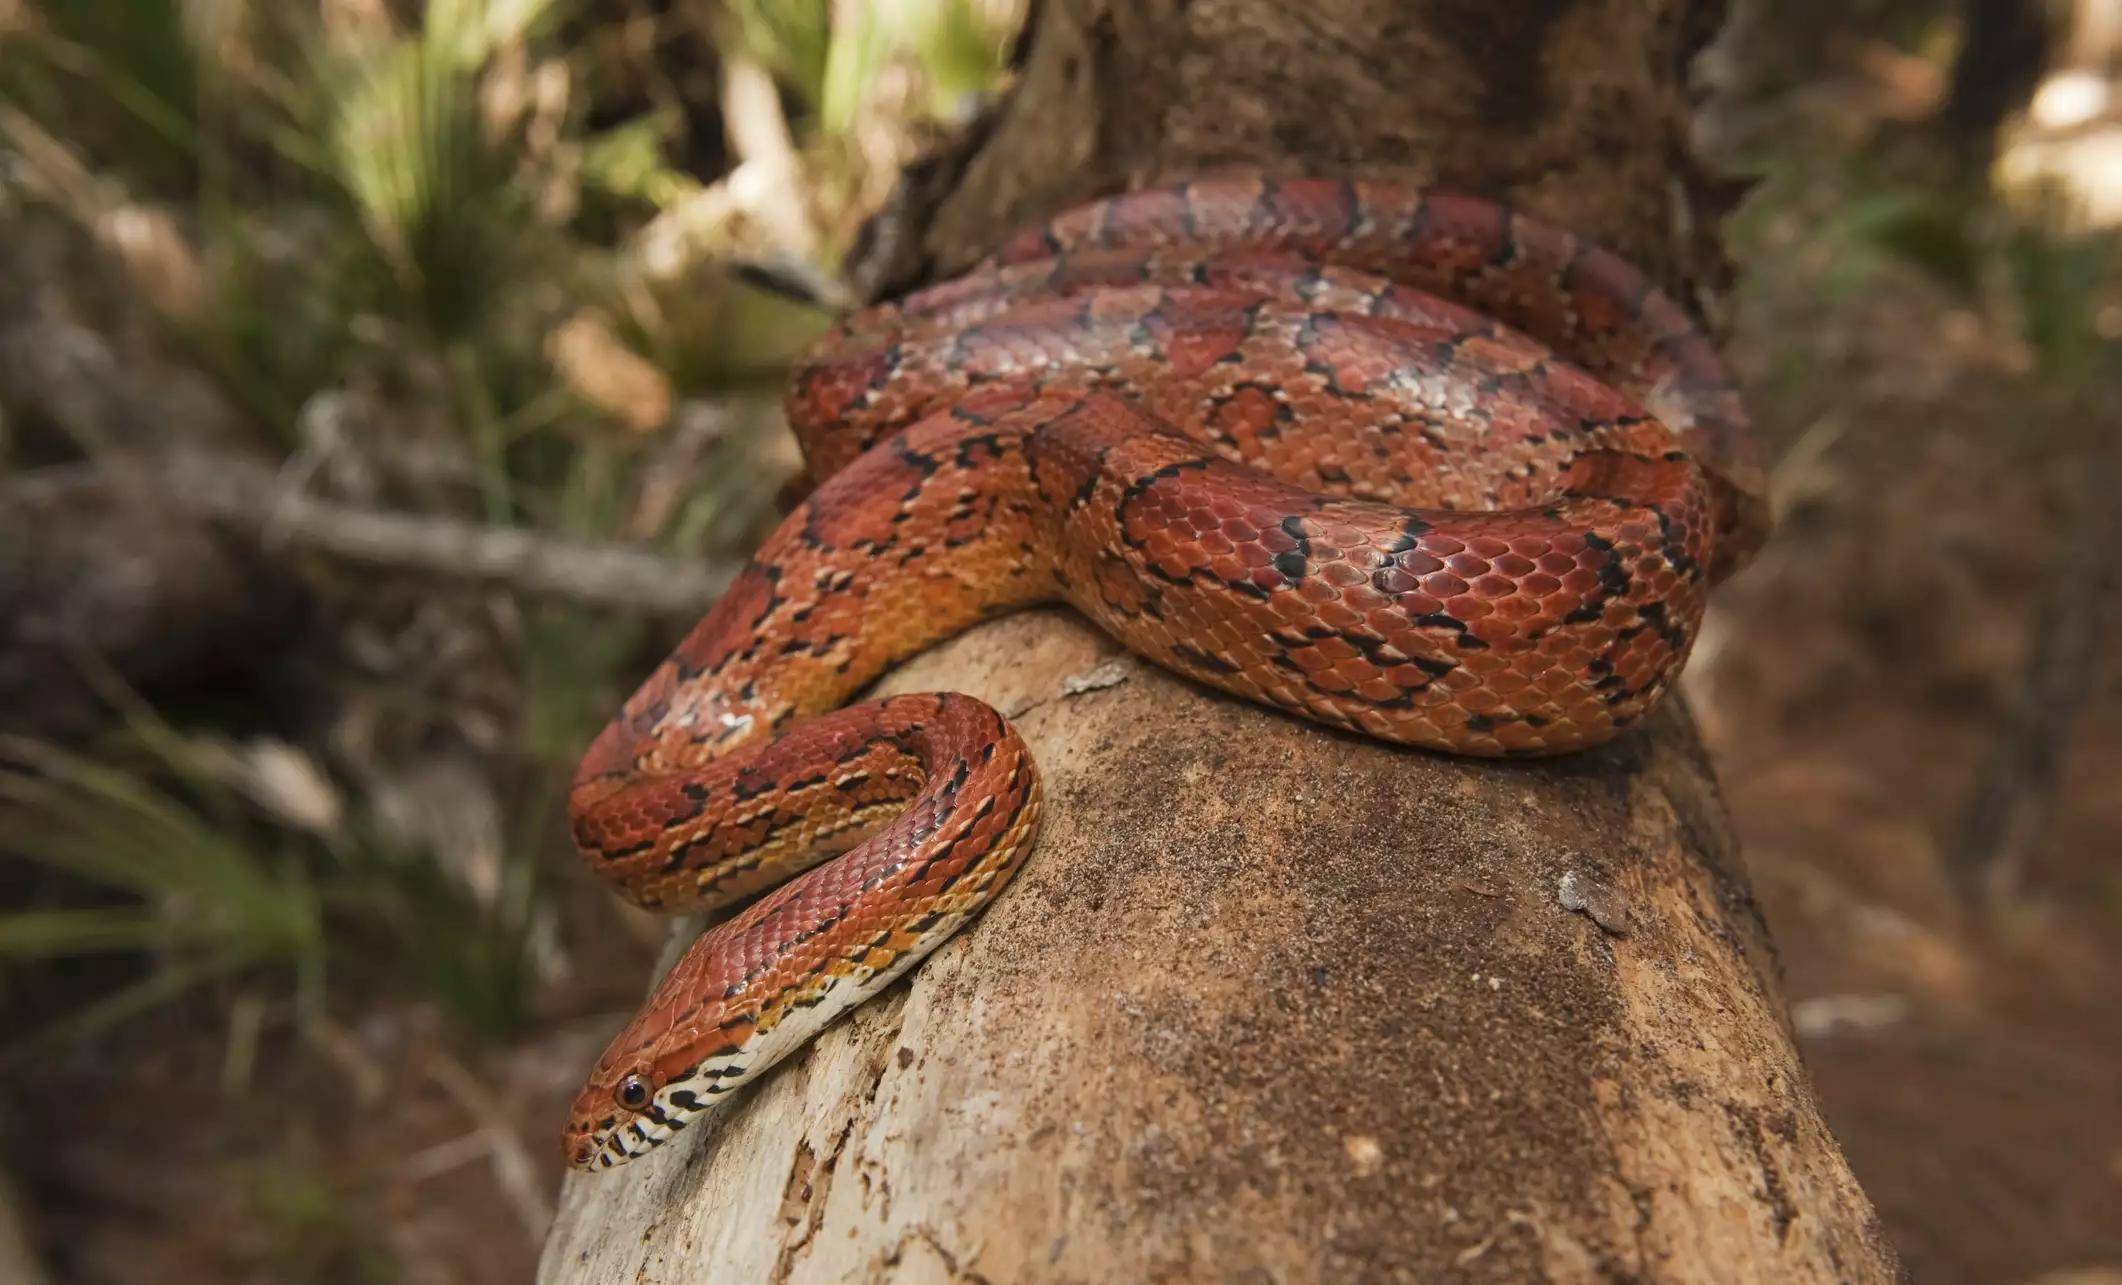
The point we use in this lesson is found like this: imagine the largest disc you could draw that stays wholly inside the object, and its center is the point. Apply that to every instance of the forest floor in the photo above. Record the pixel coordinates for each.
(1851, 690)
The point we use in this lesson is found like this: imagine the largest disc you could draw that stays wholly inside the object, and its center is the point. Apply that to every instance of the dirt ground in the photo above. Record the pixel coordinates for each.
(1851, 689)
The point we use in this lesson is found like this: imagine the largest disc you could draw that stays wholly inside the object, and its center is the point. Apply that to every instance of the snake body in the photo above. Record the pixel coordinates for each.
(1404, 463)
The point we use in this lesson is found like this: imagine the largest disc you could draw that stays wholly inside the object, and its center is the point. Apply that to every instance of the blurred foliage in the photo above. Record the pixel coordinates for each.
(141, 54)
(410, 147)
(2063, 281)
(307, 1223)
(212, 889)
(369, 198)
(182, 884)
(795, 39)
(831, 56)
(1863, 173)
(427, 207)
(2026, 260)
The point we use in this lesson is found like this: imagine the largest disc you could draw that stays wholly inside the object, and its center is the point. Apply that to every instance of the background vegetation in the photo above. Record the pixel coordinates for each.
(304, 306)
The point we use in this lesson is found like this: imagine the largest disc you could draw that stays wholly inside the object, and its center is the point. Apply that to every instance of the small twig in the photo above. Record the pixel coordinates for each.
(246, 1020)
(342, 1050)
(443, 1157)
(795, 281)
(252, 500)
(514, 1170)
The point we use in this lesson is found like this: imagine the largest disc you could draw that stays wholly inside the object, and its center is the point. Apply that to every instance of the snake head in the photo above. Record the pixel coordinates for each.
(670, 1066)
(649, 1085)
(627, 1108)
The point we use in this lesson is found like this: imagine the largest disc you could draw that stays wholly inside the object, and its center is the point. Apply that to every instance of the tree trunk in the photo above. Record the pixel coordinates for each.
(1268, 1002)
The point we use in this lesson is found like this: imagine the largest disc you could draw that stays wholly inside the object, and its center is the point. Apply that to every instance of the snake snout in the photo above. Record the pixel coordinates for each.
(609, 1124)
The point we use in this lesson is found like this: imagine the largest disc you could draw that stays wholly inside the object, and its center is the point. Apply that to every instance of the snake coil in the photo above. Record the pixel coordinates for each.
(1404, 463)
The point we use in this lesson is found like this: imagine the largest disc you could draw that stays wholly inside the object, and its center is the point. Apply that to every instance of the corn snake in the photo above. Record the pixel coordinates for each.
(1306, 441)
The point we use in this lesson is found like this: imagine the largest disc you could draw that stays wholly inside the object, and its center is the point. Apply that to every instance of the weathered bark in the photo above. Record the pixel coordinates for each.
(1272, 1003)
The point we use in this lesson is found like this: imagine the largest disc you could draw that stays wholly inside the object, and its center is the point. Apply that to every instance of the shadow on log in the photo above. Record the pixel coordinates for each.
(1267, 1002)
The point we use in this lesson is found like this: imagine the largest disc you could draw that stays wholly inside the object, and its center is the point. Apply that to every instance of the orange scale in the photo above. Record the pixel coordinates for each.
(1317, 591)
(1332, 681)
(1409, 677)
(1506, 638)
(1467, 566)
(1521, 736)
(1372, 721)
(1364, 596)
(1393, 581)
(1557, 680)
(1474, 667)
(1341, 614)
(1377, 689)
(1158, 542)
(1508, 682)
(1205, 518)
(1343, 574)
(1480, 700)
(1567, 543)
(1336, 649)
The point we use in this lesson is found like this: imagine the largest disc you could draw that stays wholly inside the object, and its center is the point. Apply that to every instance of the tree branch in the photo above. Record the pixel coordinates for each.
(253, 502)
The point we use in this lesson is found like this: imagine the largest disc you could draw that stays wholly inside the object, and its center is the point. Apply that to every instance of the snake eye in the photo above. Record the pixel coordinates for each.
(633, 1092)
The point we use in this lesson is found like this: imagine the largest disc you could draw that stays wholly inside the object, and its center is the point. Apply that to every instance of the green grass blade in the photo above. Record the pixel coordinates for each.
(54, 934)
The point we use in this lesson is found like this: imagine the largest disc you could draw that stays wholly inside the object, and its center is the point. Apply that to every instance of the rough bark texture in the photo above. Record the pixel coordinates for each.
(1268, 1002)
